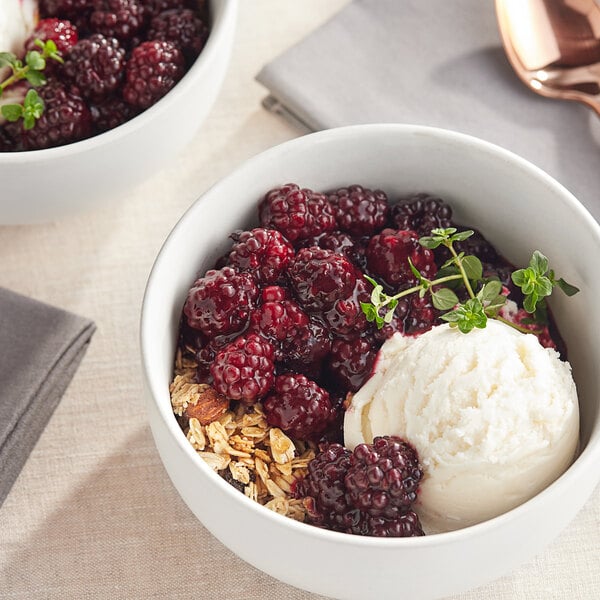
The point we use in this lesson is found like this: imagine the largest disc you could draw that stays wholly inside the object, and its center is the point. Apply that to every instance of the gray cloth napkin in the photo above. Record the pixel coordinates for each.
(40, 350)
(439, 63)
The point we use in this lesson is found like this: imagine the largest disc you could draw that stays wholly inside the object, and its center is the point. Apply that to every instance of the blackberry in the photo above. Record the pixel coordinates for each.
(358, 210)
(66, 118)
(421, 213)
(62, 8)
(281, 322)
(263, 252)
(320, 277)
(110, 112)
(95, 65)
(343, 243)
(346, 317)
(62, 32)
(383, 477)
(152, 8)
(404, 525)
(121, 19)
(153, 68)
(298, 406)
(388, 254)
(220, 303)
(397, 323)
(298, 213)
(7, 142)
(350, 362)
(329, 504)
(243, 370)
(305, 351)
(324, 491)
(421, 315)
(182, 27)
(479, 246)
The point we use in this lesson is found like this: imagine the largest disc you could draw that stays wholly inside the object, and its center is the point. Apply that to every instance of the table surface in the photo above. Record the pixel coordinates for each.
(93, 513)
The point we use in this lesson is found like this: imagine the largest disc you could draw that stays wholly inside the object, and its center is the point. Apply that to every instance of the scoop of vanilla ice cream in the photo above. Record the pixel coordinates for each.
(493, 415)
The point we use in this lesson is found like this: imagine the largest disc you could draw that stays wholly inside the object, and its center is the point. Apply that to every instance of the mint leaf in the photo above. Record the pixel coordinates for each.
(539, 263)
(8, 59)
(461, 236)
(567, 288)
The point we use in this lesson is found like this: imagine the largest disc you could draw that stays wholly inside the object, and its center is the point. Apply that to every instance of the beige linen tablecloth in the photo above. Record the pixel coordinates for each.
(93, 513)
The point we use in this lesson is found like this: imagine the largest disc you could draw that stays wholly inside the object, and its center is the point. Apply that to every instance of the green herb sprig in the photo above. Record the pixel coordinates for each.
(31, 70)
(536, 282)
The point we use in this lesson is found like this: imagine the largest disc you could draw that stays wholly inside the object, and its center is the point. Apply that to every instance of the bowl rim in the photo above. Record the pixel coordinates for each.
(218, 30)
(584, 461)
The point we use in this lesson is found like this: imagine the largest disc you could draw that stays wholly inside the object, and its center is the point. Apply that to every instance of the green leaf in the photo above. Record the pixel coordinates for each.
(444, 232)
(35, 78)
(467, 316)
(539, 263)
(35, 60)
(12, 112)
(376, 294)
(444, 299)
(49, 46)
(473, 268)
(430, 242)
(7, 59)
(369, 311)
(461, 236)
(518, 277)
(415, 271)
(490, 291)
(28, 121)
(389, 315)
(371, 280)
(530, 302)
(567, 288)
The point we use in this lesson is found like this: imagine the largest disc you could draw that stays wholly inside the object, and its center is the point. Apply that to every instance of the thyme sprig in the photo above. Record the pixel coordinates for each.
(536, 282)
(32, 70)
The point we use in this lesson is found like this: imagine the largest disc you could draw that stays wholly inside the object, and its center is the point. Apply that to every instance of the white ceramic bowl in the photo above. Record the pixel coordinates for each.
(519, 208)
(42, 185)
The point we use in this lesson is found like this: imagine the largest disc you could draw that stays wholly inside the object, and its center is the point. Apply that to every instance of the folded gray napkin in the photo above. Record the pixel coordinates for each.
(40, 350)
(439, 63)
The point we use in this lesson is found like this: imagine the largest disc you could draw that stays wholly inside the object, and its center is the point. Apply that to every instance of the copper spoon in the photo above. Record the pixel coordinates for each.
(554, 46)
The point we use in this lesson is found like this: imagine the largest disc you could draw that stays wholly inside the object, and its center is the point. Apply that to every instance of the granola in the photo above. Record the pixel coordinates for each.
(238, 443)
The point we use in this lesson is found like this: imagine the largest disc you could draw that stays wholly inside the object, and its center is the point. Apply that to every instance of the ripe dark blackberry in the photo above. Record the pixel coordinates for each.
(421, 213)
(383, 477)
(298, 406)
(152, 8)
(397, 323)
(95, 64)
(305, 352)
(220, 303)
(62, 8)
(346, 317)
(110, 112)
(320, 277)
(184, 28)
(263, 252)
(350, 362)
(281, 322)
(7, 142)
(341, 243)
(329, 505)
(388, 254)
(421, 316)
(66, 118)
(323, 488)
(62, 32)
(404, 525)
(479, 246)
(121, 19)
(244, 369)
(358, 210)
(153, 68)
(298, 213)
